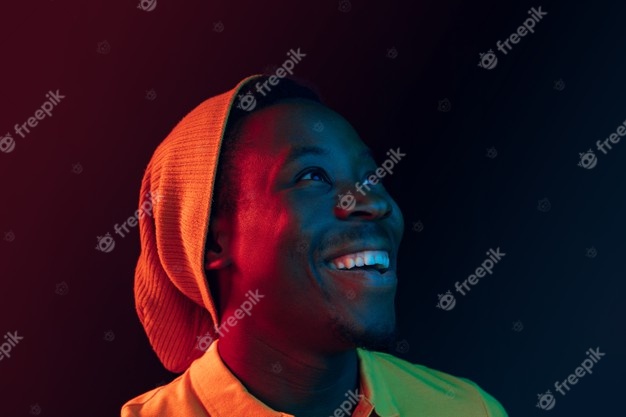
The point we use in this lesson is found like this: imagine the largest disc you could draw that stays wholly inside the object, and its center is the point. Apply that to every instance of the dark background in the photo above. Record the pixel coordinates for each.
(78, 173)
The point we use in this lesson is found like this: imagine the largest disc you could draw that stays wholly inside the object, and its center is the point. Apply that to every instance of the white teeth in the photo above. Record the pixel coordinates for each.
(376, 258)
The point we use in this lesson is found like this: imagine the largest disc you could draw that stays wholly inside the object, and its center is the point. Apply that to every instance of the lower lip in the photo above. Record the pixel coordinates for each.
(371, 278)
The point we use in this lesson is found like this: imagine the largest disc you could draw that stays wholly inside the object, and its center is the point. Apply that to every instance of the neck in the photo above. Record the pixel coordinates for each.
(288, 378)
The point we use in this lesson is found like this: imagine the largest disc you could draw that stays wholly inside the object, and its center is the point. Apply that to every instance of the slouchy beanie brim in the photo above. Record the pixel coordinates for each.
(172, 295)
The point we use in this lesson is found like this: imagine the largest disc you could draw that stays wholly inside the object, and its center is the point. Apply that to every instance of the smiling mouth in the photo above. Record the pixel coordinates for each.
(376, 260)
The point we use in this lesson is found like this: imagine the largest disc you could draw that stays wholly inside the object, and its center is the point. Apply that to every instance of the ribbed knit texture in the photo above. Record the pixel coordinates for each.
(172, 296)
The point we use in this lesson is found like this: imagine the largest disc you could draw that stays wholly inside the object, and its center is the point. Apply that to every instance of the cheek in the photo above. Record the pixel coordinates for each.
(254, 246)
(260, 236)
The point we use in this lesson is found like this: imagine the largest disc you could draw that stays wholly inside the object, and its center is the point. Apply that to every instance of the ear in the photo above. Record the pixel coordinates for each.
(218, 253)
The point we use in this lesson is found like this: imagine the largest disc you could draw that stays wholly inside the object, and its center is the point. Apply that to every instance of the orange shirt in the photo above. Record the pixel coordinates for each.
(389, 386)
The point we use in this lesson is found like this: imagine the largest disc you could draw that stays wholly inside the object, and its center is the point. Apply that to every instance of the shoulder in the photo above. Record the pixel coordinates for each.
(406, 381)
(166, 401)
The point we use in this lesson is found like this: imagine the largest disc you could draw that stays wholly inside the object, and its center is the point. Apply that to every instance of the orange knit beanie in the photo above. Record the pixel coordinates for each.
(172, 296)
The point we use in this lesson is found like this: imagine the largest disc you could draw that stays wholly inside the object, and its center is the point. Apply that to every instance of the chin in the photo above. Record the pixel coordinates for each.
(378, 335)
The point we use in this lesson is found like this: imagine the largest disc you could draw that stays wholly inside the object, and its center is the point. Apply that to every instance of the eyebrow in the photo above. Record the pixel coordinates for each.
(303, 150)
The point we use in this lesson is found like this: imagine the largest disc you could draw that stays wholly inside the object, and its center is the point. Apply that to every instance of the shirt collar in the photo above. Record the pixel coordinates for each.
(375, 389)
(223, 395)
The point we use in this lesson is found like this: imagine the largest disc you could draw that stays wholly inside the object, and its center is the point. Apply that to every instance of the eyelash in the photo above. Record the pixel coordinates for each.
(314, 170)
(325, 176)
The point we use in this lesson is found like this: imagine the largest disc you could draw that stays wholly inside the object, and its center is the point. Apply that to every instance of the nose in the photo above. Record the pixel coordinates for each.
(364, 206)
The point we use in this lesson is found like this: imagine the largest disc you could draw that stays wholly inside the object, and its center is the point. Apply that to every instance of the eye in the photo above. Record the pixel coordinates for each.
(313, 174)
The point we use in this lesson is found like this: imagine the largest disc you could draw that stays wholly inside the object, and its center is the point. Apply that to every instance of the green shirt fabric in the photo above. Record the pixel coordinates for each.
(399, 388)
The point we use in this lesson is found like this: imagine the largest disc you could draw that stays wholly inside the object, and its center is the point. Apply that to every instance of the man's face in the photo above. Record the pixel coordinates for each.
(290, 239)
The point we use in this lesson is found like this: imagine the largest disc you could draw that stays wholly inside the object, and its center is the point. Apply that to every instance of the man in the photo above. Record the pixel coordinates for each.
(259, 256)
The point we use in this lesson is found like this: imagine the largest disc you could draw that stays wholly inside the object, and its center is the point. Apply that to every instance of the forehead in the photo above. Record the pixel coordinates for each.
(298, 123)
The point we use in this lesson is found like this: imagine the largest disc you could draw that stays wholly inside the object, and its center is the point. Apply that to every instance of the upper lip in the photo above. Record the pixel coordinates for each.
(360, 246)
